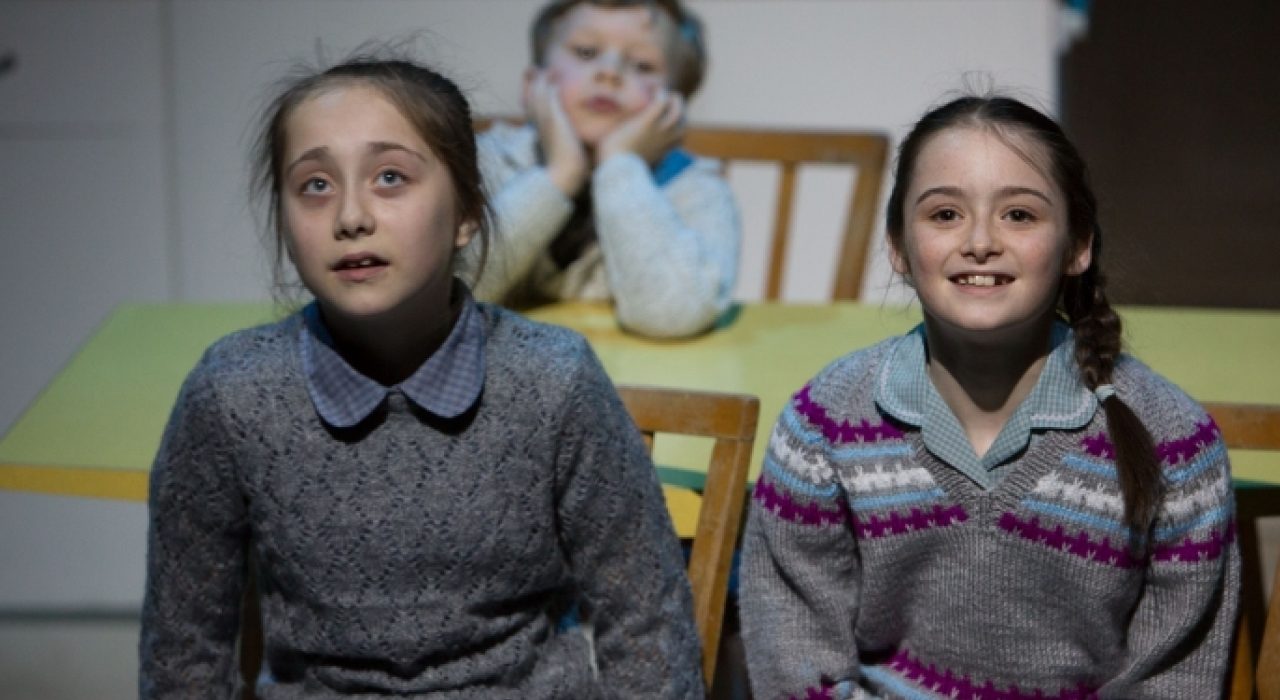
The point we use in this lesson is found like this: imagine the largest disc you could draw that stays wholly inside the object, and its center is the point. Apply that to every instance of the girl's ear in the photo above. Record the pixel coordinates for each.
(466, 231)
(897, 259)
(1081, 259)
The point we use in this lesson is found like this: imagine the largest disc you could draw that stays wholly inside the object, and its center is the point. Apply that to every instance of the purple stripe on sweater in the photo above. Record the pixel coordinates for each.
(1081, 545)
(1170, 452)
(842, 432)
(916, 520)
(947, 682)
(823, 692)
(779, 503)
(1190, 551)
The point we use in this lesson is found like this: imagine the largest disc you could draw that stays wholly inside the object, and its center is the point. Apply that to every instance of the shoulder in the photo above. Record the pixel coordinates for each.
(701, 175)
(1167, 412)
(843, 393)
(248, 357)
(512, 145)
(539, 349)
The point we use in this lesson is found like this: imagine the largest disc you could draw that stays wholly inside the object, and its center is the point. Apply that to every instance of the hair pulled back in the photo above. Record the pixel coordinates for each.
(430, 102)
(1082, 299)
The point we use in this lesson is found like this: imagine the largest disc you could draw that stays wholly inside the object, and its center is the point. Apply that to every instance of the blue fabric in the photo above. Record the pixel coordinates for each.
(447, 384)
(671, 165)
(1059, 400)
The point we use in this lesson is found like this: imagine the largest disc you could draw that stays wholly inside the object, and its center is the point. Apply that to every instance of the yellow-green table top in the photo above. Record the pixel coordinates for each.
(95, 429)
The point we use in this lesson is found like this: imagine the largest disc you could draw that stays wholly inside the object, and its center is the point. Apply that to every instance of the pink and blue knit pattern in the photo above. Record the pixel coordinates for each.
(843, 432)
(916, 510)
(907, 676)
(779, 502)
(1184, 458)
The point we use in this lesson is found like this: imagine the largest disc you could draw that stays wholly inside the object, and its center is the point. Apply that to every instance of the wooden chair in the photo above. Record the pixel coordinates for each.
(788, 149)
(1269, 653)
(731, 420)
(1252, 427)
(866, 151)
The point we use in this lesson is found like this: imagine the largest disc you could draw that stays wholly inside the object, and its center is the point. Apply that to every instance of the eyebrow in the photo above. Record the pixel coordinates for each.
(374, 148)
(1010, 191)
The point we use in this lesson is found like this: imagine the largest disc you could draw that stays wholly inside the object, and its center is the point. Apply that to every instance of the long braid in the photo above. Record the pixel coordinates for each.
(1097, 330)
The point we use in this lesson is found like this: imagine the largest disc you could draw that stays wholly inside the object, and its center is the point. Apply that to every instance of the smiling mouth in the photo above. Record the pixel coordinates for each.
(982, 280)
(603, 105)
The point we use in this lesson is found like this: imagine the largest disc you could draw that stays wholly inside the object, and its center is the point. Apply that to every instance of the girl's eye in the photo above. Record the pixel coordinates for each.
(315, 185)
(645, 67)
(945, 216)
(1021, 216)
(390, 178)
(584, 52)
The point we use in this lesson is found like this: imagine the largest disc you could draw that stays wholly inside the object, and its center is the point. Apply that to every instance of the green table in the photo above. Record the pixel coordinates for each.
(94, 430)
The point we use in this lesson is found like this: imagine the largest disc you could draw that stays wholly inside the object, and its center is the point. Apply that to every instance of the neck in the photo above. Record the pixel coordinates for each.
(389, 348)
(984, 379)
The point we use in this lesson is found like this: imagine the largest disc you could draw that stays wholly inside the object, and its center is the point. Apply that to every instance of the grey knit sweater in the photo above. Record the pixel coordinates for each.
(874, 570)
(411, 555)
(666, 255)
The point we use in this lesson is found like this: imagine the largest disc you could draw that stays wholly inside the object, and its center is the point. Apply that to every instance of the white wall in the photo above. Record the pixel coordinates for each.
(124, 132)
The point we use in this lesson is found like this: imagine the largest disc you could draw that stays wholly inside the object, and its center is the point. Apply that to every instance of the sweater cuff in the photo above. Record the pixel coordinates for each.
(620, 170)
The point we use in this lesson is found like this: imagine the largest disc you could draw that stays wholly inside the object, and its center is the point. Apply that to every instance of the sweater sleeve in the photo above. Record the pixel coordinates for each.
(528, 209)
(196, 550)
(620, 543)
(800, 573)
(1181, 631)
(671, 253)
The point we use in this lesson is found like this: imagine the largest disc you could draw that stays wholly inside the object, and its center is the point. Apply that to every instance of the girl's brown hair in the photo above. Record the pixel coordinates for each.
(1082, 300)
(432, 103)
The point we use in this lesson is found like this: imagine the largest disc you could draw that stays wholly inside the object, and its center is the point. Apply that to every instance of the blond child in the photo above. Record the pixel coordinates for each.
(593, 197)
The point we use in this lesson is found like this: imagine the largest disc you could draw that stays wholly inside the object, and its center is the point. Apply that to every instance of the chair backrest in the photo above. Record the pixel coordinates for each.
(866, 151)
(731, 420)
(788, 149)
(1252, 427)
(1269, 652)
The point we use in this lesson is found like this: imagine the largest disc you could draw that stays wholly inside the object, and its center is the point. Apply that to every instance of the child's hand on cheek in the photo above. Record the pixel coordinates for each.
(566, 158)
(652, 132)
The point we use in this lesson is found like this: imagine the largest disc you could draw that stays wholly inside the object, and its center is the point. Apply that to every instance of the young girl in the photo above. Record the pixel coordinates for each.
(593, 197)
(999, 504)
(424, 484)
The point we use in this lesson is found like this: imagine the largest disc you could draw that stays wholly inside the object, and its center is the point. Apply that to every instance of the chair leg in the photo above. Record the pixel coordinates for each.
(1241, 678)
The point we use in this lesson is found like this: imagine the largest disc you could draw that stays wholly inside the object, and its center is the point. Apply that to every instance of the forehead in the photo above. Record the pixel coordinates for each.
(637, 24)
(980, 156)
(349, 112)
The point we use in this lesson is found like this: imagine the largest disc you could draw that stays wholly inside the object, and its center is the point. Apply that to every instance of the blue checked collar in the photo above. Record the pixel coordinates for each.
(1059, 400)
(672, 164)
(446, 385)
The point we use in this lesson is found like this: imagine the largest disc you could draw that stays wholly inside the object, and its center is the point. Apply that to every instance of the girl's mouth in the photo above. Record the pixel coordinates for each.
(991, 280)
(359, 267)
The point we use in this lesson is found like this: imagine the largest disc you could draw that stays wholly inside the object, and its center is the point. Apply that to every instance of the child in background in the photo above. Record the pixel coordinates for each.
(425, 484)
(593, 197)
(998, 504)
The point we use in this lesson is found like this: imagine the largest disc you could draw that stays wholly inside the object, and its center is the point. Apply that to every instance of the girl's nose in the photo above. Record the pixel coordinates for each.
(980, 242)
(354, 219)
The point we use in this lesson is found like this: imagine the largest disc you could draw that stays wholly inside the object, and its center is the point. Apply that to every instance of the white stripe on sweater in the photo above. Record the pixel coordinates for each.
(807, 462)
(871, 480)
(1202, 500)
(1073, 492)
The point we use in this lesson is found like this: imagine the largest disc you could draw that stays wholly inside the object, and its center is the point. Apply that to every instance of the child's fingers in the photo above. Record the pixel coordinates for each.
(673, 117)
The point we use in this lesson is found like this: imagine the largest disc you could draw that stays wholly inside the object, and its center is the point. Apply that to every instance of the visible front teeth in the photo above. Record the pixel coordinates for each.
(978, 280)
(365, 263)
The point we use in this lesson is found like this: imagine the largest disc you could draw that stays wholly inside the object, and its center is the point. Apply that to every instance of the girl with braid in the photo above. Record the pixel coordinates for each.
(1000, 503)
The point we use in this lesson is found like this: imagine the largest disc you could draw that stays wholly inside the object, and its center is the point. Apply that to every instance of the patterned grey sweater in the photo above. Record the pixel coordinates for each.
(410, 555)
(873, 570)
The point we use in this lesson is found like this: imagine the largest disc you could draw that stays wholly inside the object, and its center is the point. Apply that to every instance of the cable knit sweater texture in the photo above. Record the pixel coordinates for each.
(666, 255)
(411, 555)
(874, 570)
